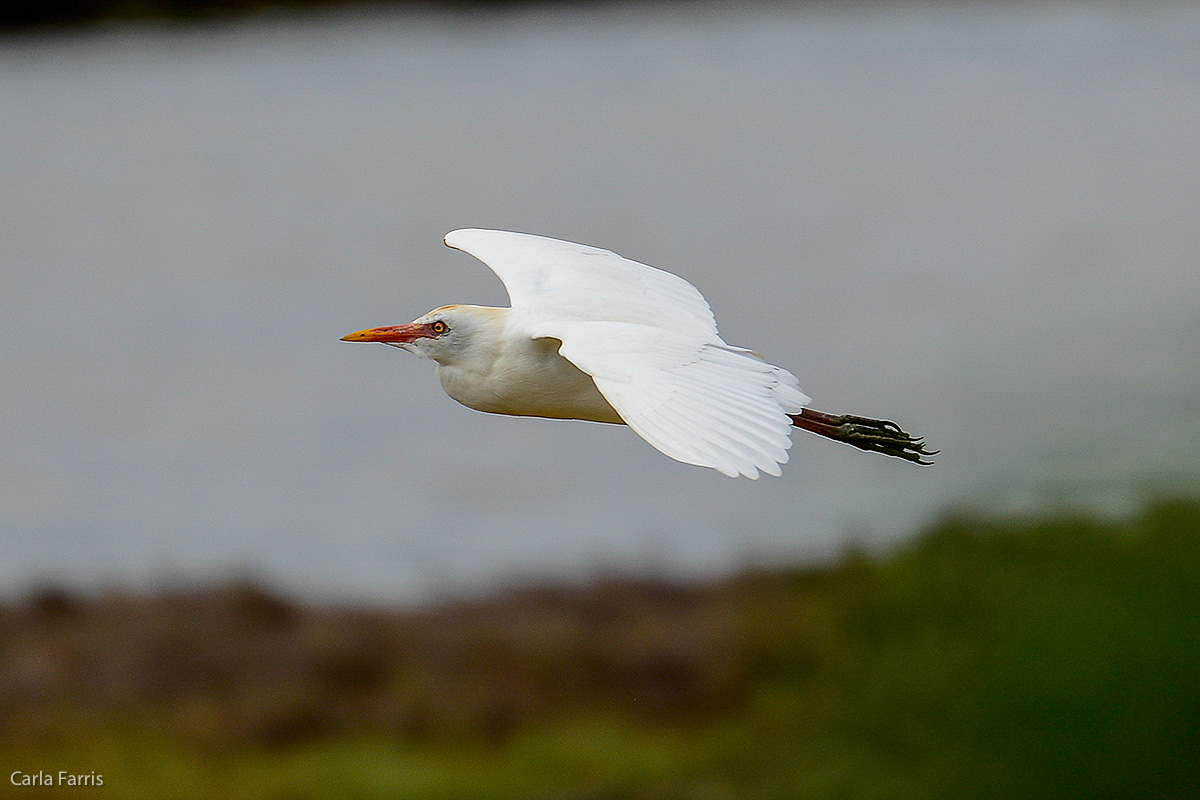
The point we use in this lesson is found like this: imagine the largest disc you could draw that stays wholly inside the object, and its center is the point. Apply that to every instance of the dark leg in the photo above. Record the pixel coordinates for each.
(876, 435)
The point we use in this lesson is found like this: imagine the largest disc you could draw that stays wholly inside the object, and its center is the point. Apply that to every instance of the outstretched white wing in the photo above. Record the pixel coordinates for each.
(649, 341)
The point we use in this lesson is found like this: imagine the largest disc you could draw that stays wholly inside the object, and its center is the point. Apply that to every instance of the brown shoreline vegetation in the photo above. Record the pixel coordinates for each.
(1047, 657)
(51, 15)
(235, 665)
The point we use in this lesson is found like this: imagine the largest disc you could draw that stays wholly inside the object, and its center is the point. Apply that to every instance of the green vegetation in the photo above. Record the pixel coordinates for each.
(1001, 658)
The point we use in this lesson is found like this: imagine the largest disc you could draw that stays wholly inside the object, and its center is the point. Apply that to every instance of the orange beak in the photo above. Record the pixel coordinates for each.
(394, 333)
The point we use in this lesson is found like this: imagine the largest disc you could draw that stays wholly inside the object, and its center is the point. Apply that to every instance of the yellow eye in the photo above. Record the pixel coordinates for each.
(439, 327)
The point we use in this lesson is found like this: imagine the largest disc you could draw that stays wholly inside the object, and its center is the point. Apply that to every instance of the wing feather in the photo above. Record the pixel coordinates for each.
(649, 340)
(583, 282)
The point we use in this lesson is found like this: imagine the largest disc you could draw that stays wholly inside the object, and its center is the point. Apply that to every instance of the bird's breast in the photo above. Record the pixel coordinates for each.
(528, 380)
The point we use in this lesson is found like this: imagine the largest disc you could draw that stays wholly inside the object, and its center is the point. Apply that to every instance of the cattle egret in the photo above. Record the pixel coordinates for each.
(594, 336)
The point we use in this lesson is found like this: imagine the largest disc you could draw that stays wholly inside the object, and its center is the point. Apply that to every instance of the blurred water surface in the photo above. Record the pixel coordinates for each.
(979, 220)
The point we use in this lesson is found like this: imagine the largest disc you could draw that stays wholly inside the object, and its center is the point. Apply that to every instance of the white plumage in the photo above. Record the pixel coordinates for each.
(595, 336)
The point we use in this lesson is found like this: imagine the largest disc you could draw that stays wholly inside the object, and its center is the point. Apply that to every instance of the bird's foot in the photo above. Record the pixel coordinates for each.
(876, 435)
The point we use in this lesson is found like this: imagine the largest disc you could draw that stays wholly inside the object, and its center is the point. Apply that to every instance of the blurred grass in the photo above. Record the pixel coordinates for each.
(989, 658)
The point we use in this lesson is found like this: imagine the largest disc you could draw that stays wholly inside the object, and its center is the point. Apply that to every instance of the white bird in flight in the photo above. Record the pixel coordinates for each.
(595, 336)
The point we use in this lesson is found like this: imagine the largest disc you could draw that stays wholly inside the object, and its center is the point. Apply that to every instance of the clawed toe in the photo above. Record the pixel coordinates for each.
(876, 435)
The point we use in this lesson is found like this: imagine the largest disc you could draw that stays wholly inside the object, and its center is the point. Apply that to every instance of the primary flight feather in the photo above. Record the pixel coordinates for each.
(595, 336)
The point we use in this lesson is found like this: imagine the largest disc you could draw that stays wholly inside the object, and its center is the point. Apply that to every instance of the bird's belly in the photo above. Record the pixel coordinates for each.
(536, 382)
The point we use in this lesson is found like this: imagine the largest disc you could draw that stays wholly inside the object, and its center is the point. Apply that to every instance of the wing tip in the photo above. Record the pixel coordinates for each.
(459, 234)
(455, 237)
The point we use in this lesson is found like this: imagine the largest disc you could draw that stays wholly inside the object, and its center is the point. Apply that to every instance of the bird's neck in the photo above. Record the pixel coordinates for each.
(502, 371)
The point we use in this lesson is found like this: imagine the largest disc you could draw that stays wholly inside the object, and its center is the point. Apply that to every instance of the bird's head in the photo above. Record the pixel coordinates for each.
(444, 334)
